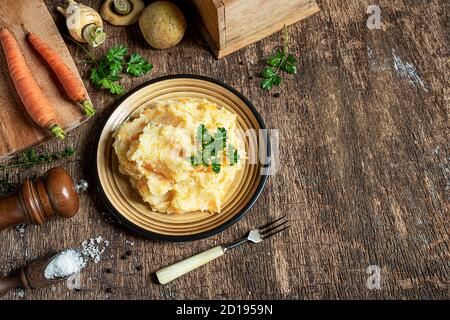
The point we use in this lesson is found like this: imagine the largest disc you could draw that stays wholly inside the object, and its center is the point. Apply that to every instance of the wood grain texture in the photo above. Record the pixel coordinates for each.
(238, 37)
(212, 21)
(364, 167)
(229, 26)
(17, 130)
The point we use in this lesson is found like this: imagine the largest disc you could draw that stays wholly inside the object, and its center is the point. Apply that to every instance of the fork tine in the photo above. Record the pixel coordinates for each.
(274, 227)
(274, 233)
(270, 223)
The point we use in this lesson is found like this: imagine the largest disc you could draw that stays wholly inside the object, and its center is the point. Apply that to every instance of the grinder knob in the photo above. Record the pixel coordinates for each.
(62, 193)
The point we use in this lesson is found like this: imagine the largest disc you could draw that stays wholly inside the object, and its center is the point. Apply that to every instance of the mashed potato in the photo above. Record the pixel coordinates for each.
(154, 149)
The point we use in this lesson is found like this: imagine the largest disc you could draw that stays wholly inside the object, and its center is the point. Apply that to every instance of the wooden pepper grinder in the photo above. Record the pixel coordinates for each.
(30, 277)
(55, 195)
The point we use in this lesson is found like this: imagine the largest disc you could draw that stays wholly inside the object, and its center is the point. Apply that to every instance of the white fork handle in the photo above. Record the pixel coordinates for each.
(178, 269)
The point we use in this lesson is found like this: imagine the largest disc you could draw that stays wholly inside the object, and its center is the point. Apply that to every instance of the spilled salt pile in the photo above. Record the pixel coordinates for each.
(93, 249)
(71, 261)
(65, 264)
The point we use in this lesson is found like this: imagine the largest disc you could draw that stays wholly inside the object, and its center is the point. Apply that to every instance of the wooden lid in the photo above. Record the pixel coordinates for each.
(127, 205)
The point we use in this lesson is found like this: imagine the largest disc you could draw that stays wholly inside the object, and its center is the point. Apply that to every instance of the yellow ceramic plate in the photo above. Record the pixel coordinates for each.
(126, 204)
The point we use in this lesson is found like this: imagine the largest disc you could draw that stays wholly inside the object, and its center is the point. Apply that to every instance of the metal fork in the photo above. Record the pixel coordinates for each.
(257, 235)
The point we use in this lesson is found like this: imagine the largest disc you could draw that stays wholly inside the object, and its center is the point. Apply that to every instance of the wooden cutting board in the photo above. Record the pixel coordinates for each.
(17, 131)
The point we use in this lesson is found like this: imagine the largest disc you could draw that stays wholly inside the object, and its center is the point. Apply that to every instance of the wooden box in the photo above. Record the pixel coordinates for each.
(230, 25)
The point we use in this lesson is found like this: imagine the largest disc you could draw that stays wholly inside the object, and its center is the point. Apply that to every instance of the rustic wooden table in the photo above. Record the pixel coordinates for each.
(364, 167)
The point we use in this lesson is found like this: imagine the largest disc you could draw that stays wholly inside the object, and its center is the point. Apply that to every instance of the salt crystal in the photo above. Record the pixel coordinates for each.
(93, 248)
(21, 229)
(65, 264)
(20, 293)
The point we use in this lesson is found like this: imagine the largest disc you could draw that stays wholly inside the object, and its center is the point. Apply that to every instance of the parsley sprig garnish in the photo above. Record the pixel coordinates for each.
(211, 147)
(282, 60)
(106, 71)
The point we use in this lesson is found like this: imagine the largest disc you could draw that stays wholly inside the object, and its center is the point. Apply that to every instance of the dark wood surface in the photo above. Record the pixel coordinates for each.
(364, 167)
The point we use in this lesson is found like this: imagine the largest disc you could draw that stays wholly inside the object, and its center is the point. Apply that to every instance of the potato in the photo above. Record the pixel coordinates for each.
(162, 24)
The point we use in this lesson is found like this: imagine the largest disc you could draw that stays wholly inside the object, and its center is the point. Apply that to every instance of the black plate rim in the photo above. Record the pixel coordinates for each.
(198, 236)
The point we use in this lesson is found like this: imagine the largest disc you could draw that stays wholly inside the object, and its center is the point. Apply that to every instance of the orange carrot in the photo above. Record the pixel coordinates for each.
(36, 103)
(71, 83)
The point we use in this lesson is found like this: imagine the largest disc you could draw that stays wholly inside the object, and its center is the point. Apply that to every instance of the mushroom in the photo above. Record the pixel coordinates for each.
(122, 12)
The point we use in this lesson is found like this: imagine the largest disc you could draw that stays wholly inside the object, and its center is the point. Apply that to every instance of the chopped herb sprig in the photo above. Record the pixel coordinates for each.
(106, 71)
(211, 146)
(31, 158)
(282, 60)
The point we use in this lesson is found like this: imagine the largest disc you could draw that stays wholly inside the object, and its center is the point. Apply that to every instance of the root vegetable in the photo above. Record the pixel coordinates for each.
(35, 101)
(162, 24)
(73, 86)
(84, 23)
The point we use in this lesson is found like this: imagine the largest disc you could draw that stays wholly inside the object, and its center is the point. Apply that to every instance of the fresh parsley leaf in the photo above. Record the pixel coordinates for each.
(276, 80)
(220, 139)
(105, 72)
(291, 59)
(216, 167)
(95, 76)
(280, 60)
(266, 84)
(268, 73)
(116, 89)
(205, 160)
(289, 65)
(275, 60)
(232, 155)
(138, 66)
(203, 135)
(291, 69)
(113, 87)
(195, 161)
(210, 148)
(236, 157)
(115, 68)
(116, 53)
(216, 144)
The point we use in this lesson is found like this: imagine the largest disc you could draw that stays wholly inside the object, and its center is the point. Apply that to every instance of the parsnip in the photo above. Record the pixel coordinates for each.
(84, 23)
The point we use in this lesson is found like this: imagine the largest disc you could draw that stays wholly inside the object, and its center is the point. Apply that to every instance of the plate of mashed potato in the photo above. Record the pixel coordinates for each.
(182, 158)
